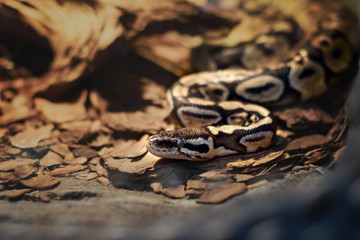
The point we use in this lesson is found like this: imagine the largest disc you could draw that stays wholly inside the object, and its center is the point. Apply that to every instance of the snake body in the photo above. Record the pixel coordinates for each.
(220, 109)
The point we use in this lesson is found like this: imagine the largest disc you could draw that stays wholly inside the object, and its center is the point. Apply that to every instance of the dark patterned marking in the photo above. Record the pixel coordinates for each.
(201, 148)
(324, 43)
(163, 143)
(255, 139)
(198, 115)
(307, 72)
(257, 90)
(336, 53)
(218, 91)
(300, 61)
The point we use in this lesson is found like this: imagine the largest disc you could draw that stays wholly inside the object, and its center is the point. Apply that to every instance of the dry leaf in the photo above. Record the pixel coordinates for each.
(156, 187)
(67, 169)
(18, 109)
(174, 192)
(62, 112)
(31, 137)
(127, 165)
(23, 171)
(89, 126)
(13, 151)
(84, 151)
(93, 163)
(41, 182)
(46, 196)
(268, 158)
(51, 159)
(242, 177)
(87, 176)
(297, 117)
(258, 184)
(316, 155)
(195, 184)
(150, 119)
(61, 148)
(3, 131)
(72, 161)
(241, 163)
(284, 133)
(308, 141)
(7, 177)
(339, 153)
(129, 149)
(216, 174)
(222, 193)
(194, 192)
(19, 193)
(100, 170)
(103, 180)
(12, 164)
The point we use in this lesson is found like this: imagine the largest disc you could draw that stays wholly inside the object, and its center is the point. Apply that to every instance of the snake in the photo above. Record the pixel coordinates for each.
(225, 111)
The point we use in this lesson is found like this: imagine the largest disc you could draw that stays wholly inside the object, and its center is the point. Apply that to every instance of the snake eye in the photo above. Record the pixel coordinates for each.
(179, 143)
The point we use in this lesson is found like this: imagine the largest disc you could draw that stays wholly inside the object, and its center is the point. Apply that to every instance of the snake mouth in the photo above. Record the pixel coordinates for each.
(161, 148)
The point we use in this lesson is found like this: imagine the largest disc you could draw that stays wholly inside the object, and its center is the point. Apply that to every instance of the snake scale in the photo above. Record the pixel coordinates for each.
(221, 111)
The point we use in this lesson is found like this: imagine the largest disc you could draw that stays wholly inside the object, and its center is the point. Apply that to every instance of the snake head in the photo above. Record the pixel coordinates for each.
(193, 144)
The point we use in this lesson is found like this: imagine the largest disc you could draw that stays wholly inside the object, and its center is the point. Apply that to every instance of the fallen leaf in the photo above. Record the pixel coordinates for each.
(93, 163)
(194, 192)
(216, 174)
(72, 161)
(19, 193)
(84, 152)
(257, 184)
(268, 158)
(31, 137)
(129, 149)
(316, 155)
(41, 182)
(195, 184)
(67, 169)
(18, 109)
(284, 133)
(7, 177)
(23, 171)
(174, 192)
(14, 151)
(297, 117)
(222, 193)
(89, 126)
(61, 149)
(3, 131)
(241, 163)
(12, 164)
(100, 170)
(62, 112)
(156, 187)
(87, 176)
(339, 153)
(47, 196)
(103, 180)
(308, 141)
(51, 159)
(243, 177)
(127, 165)
(150, 119)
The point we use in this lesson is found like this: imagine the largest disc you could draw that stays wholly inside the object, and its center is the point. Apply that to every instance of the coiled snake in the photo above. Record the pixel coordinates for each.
(219, 109)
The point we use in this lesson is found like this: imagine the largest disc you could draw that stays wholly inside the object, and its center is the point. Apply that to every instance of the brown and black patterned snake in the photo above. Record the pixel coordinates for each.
(219, 109)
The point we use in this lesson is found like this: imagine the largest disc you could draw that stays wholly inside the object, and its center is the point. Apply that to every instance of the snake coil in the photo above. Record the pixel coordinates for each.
(219, 109)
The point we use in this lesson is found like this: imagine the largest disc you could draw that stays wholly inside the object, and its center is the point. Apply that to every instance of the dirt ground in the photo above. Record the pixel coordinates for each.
(115, 212)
